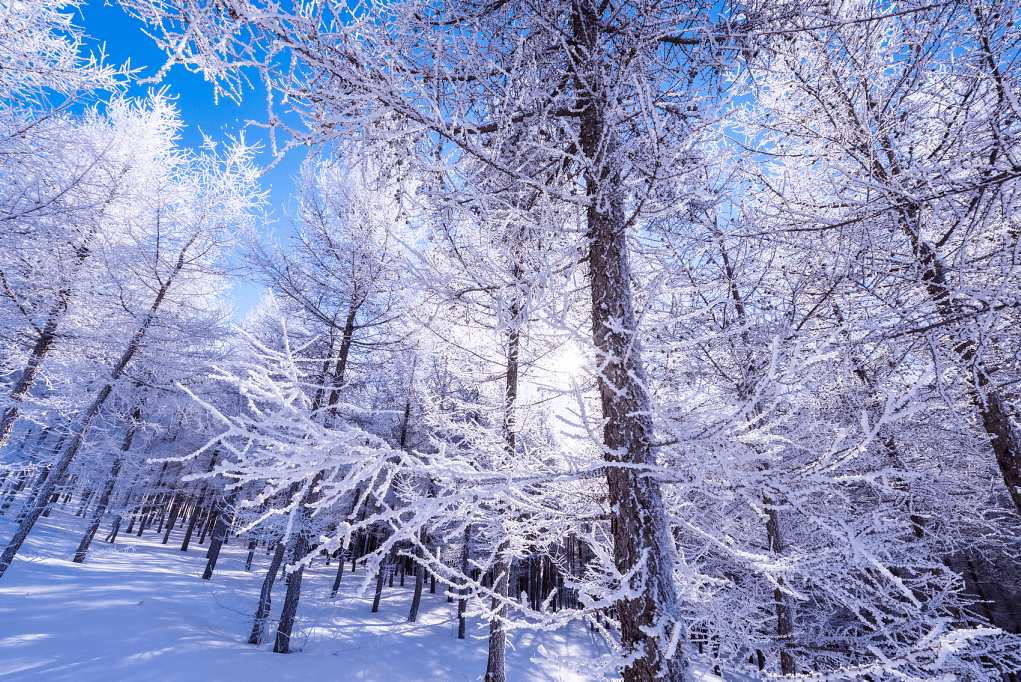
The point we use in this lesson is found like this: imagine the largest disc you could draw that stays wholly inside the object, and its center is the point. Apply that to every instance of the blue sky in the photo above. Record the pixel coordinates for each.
(123, 39)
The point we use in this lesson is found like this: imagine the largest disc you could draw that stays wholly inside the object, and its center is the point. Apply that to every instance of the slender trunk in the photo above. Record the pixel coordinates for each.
(175, 509)
(496, 667)
(262, 613)
(638, 519)
(298, 551)
(209, 519)
(79, 430)
(340, 574)
(251, 555)
(384, 568)
(345, 349)
(462, 603)
(195, 516)
(299, 548)
(42, 346)
(416, 601)
(104, 498)
(496, 664)
(219, 534)
(114, 529)
(784, 620)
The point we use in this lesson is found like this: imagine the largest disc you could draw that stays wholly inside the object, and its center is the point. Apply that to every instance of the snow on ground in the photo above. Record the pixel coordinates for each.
(139, 610)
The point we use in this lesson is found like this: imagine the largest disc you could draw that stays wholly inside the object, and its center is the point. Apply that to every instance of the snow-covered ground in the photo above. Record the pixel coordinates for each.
(138, 610)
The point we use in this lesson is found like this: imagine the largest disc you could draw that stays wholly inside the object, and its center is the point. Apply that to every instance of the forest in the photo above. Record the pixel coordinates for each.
(688, 327)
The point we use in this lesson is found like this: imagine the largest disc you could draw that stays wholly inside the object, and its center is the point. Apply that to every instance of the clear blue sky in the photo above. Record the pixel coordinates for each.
(124, 40)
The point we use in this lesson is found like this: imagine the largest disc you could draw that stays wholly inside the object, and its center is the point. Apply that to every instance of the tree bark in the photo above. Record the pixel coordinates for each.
(219, 534)
(196, 514)
(42, 346)
(298, 552)
(340, 574)
(416, 601)
(175, 510)
(299, 548)
(79, 430)
(462, 603)
(637, 519)
(784, 619)
(496, 663)
(251, 555)
(384, 567)
(265, 602)
(104, 498)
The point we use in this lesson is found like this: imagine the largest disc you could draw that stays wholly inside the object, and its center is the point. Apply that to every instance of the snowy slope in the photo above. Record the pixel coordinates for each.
(140, 611)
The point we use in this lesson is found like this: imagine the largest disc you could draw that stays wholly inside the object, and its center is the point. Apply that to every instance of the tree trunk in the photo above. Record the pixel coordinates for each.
(175, 509)
(384, 567)
(114, 529)
(298, 552)
(638, 519)
(210, 519)
(262, 613)
(784, 620)
(345, 349)
(299, 548)
(219, 534)
(251, 555)
(496, 667)
(462, 603)
(196, 514)
(416, 601)
(496, 664)
(81, 427)
(104, 498)
(28, 376)
(340, 574)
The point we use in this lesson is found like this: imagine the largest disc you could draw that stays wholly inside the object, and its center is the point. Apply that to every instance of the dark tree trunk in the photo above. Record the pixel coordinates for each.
(462, 603)
(340, 574)
(209, 520)
(784, 621)
(251, 555)
(265, 602)
(219, 535)
(42, 346)
(104, 498)
(416, 601)
(298, 552)
(496, 667)
(115, 528)
(175, 509)
(196, 514)
(299, 548)
(345, 348)
(384, 568)
(496, 664)
(638, 521)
